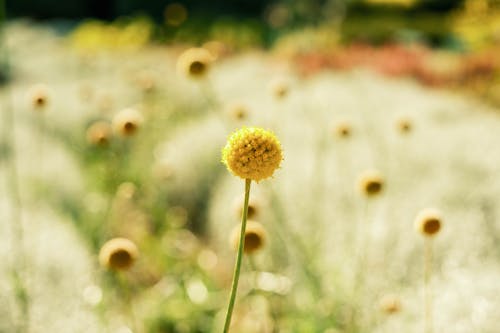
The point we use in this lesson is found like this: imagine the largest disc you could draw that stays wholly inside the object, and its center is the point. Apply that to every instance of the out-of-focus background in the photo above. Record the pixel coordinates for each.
(113, 117)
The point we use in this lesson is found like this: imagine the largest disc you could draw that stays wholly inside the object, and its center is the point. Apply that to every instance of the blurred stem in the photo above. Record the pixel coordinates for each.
(427, 287)
(239, 256)
(18, 266)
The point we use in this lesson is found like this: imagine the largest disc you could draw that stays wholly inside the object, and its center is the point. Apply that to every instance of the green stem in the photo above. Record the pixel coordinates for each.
(239, 256)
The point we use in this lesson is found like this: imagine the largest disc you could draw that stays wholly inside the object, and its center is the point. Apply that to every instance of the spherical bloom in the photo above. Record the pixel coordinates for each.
(404, 125)
(252, 153)
(279, 88)
(370, 182)
(127, 122)
(237, 111)
(428, 222)
(118, 254)
(99, 133)
(342, 130)
(194, 62)
(39, 96)
(390, 304)
(255, 237)
(254, 207)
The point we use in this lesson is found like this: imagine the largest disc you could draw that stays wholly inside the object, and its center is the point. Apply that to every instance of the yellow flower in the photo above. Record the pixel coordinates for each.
(252, 153)
(99, 133)
(194, 62)
(127, 122)
(255, 237)
(118, 254)
(428, 222)
(39, 95)
(370, 183)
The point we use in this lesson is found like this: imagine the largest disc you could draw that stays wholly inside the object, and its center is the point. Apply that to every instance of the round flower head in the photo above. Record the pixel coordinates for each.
(404, 125)
(238, 111)
(39, 96)
(428, 222)
(254, 207)
(252, 153)
(118, 254)
(279, 88)
(127, 122)
(343, 130)
(99, 133)
(370, 182)
(194, 62)
(390, 304)
(255, 237)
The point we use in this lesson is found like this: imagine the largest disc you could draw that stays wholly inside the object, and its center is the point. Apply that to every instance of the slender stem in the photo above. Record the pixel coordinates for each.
(239, 256)
(427, 286)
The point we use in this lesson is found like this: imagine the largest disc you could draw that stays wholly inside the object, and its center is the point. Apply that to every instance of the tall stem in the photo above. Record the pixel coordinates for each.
(239, 256)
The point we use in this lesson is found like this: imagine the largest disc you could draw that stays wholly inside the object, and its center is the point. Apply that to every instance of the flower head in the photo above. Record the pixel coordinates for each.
(194, 62)
(428, 222)
(390, 304)
(252, 153)
(118, 254)
(343, 130)
(99, 133)
(371, 182)
(404, 125)
(279, 88)
(255, 237)
(39, 96)
(127, 122)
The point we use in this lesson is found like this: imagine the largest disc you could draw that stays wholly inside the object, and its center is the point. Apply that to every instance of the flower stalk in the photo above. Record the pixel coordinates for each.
(239, 257)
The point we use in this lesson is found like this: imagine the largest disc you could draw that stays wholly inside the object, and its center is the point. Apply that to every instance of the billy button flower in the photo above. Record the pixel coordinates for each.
(127, 122)
(428, 224)
(370, 183)
(99, 133)
(194, 62)
(118, 254)
(39, 97)
(255, 237)
(251, 153)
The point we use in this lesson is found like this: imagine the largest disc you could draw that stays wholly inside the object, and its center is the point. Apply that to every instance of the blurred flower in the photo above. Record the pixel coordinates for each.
(428, 222)
(254, 207)
(370, 182)
(404, 125)
(127, 122)
(237, 111)
(207, 259)
(252, 153)
(118, 254)
(99, 133)
(279, 88)
(255, 237)
(194, 62)
(145, 80)
(217, 48)
(39, 96)
(390, 304)
(175, 14)
(343, 130)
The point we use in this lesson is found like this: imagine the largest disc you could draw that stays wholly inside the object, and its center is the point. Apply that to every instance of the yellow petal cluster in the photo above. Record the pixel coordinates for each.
(252, 153)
